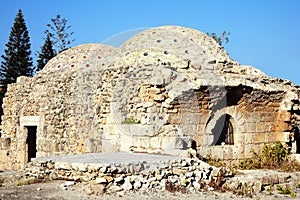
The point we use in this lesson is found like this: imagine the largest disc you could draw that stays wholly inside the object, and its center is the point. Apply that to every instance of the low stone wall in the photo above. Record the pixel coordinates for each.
(183, 175)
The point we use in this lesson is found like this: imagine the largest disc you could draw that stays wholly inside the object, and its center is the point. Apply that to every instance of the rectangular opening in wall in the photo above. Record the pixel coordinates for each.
(31, 141)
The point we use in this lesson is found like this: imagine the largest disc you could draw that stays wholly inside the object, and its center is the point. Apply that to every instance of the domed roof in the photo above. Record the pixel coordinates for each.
(189, 43)
(82, 56)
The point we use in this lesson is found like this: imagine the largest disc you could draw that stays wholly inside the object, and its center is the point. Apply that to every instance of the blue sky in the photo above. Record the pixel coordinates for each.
(264, 33)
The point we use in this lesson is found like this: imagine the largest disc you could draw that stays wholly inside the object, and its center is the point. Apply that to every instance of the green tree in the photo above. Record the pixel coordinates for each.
(58, 32)
(220, 39)
(47, 52)
(17, 60)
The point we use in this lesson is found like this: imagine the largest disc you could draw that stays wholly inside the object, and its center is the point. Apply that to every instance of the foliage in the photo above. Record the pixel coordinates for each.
(30, 181)
(223, 37)
(47, 52)
(1, 181)
(298, 186)
(17, 60)
(215, 161)
(131, 121)
(286, 191)
(58, 32)
(271, 157)
(251, 163)
(274, 156)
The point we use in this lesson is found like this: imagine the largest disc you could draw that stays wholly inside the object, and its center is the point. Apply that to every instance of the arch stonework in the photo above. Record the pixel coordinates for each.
(234, 112)
(225, 151)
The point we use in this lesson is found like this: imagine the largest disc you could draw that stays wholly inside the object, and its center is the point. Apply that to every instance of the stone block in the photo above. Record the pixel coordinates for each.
(144, 141)
(253, 118)
(155, 142)
(260, 127)
(267, 117)
(200, 140)
(284, 116)
(239, 138)
(175, 142)
(283, 136)
(126, 142)
(22, 79)
(217, 152)
(109, 145)
(79, 167)
(270, 137)
(227, 152)
(281, 126)
(89, 145)
(63, 165)
(174, 119)
(100, 180)
(258, 138)
(266, 180)
(238, 152)
(249, 150)
(248, 138)
(191, 118)
(189, 130)
(142, 130)
(251, 127)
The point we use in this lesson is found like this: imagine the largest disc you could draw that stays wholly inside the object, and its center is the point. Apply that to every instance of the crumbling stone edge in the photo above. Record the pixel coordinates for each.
(181, 175)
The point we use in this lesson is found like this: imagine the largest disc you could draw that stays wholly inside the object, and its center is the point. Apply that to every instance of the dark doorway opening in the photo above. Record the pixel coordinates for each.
(297, 138)
(223, 131)
(31, 141)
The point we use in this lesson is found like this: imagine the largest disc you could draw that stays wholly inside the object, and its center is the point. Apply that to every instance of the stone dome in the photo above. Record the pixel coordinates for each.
(82, 56)
(189, 43)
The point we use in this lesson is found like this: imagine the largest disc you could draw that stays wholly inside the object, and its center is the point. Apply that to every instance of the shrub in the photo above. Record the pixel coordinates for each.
(271, 157)
(286, 191)
(274, 156)
(131, 121)
(1, 181)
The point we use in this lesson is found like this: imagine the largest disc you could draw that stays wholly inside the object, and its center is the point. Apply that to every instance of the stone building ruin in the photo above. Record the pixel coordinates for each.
(164, 90)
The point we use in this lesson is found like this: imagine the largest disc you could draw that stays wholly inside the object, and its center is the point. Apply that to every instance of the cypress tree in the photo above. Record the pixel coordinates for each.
(47, 52)
(17, 60)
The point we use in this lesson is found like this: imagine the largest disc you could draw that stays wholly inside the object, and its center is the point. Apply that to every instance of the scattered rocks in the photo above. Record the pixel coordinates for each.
(181, 175)
(89, 191)
(127, 184)
(101, 180)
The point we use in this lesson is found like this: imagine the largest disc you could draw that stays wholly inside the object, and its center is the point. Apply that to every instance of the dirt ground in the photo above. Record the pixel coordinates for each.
(54, 190)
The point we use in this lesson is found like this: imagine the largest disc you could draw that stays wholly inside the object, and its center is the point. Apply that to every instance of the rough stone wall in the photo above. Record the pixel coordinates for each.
(160, 92)
(257, 120)
(65, 111)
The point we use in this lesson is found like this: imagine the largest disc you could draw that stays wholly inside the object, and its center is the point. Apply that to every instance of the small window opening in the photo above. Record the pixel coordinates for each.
(223, 131)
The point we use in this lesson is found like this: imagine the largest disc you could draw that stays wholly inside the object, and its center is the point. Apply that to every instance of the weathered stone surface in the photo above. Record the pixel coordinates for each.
(161, 91)
(188, 176)
(127, 184)
(101, 180)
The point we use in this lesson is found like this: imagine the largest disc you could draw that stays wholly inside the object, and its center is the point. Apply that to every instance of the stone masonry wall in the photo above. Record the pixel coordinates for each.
(162, 91)
(63, 104)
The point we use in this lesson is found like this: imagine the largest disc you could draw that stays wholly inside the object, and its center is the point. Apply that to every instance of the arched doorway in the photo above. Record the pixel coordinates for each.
(223, 131)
